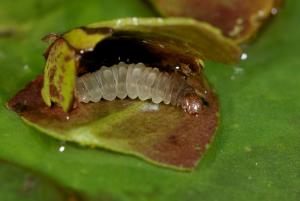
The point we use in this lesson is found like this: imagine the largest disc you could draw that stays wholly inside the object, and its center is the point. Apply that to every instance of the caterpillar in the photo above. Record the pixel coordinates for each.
(137, 81)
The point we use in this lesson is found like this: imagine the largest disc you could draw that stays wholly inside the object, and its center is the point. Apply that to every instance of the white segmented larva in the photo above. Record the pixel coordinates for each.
(134, 81)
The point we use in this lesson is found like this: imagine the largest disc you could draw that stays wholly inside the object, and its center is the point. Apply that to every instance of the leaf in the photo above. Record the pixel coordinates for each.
(167, 135)
(197, 42)
(59, 75)
(238, 19)
(255, 154)
(22, 184)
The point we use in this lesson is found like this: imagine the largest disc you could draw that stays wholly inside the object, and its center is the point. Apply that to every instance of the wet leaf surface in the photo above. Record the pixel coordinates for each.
(255, 154)
(238, 19)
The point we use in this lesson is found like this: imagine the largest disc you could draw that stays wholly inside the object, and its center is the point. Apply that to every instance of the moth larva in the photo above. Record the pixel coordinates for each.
(137, 81)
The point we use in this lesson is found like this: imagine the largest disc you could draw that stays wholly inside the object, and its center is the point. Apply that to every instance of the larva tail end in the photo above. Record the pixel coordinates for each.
(191, 104)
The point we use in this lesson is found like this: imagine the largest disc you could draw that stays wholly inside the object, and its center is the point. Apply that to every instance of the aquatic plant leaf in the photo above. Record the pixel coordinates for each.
(168, 136)
(238, 19)
(255, 153)
(24, 184)
(19, 183)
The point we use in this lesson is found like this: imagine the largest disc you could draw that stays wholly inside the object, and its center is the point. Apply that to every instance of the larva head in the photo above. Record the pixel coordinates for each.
(191, 104)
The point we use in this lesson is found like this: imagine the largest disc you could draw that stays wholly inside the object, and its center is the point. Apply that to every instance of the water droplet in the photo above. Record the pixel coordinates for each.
(244, 56)
(274, 11)
(61, 148)
(150, 107)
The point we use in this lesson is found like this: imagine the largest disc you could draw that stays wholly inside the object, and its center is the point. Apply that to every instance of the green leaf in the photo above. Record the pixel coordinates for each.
(22, 184)
(255, 154)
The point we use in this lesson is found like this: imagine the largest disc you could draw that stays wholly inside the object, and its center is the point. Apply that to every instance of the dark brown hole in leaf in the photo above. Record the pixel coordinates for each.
(130, 48)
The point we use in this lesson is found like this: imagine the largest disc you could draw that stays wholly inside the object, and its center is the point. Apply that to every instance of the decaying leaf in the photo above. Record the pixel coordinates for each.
(238, 19)
(58, 85)
(162, 134)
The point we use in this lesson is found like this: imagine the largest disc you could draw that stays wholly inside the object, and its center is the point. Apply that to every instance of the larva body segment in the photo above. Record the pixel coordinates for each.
(137, 81)
(120, 73)
(143, 87)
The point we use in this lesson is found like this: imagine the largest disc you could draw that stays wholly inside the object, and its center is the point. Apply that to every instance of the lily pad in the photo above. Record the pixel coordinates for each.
(23, 184)
(238, 19)
(166, 135)
(26, 185)
(255, 153)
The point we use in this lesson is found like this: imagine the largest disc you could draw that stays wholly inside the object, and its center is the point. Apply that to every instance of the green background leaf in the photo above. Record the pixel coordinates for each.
(255, 155)
(28, 186)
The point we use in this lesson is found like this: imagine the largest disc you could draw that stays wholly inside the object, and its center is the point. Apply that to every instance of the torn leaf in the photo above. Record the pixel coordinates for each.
(167, 135)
